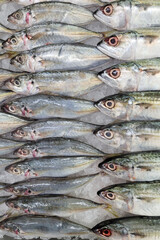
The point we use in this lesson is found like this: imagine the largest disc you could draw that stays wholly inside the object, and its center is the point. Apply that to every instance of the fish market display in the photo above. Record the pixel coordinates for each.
(144, 166)
(141, 198)
(70, 83)
(8, 146)
(131, 106)
(42, 226)
(46, 106)
(56, 147)
(142, 75)
(47, 185)
(129, 228)
(65, 128)
(132, 45)
(131, 136)
(51, 11)
(127, 15)
(51, 166)
(47, 33)
(60, 57)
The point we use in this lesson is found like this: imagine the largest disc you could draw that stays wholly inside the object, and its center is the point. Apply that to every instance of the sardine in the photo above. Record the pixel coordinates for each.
(4, 162)
(133, 228)
(4, 29)
(131, 106)
(42, 226)
(70, 83)
(127, 15)
(51, 11)
(132, 45)
(60, 57)
(143, 166)
(141, 198)
(131, 136)
(47, 185)
(6, 74)
(8, 146)
(142, 75)
(6, 95)
(51, 166)
(47, 33)
(45, 106)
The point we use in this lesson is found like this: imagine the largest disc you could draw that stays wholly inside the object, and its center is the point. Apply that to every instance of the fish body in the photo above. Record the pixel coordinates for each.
(51, 166)
(51, 11)
(8, 146)
(132, 45)
(42, 226)
(56, 147)
(45, 34)
(133, 228)
(60, 57)
(142, 75)
(140, 198)
(65, 128)
(45, 106)
(131, 106)
(66, 83)
(47, 185)
(144, 166)
(131, 136)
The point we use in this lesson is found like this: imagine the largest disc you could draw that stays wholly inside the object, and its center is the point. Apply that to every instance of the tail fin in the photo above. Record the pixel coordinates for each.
(7, 55)
(4, 29)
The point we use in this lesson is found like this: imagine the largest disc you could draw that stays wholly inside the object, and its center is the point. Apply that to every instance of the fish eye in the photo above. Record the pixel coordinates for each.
(11, 108)
(109, 134)
(16, 191)
(112, 41)
(20, 132)
(19, 59)
(17, 82)
(108, 10)
(111, 166)
(23, 151)
(105, 232)
(16, 171)
(18, 15)
(114, 73)
(109, 104)
(110, 195)
(13, 40)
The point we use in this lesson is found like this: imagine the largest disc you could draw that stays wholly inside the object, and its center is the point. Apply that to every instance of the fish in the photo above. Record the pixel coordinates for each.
(4, 29)
(8, 146)
(51, 11)
(42, 226)
(132, 45)
(47, 33)
(47, 185)
(66, 128)
(140, 198)
(51, 166)
(6, 95)
(143, 166)
(142, 75)
(66, 83)
(60, 57)
(131, 105)
(53, 205)
(133, 228)
(56, 147)
(4, 162)
(43, 106)
(7, 74)
(129, 15)
(135, 136)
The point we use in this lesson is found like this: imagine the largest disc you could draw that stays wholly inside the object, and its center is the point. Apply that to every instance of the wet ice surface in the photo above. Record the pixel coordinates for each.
(92, 217)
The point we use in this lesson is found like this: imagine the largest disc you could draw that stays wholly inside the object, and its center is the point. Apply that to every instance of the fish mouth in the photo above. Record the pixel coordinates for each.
(102, 47)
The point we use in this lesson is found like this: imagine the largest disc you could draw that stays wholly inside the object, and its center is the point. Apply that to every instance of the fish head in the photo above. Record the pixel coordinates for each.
(113, 15)
(11, 225)
(26, 133)
(21, 17)
(12, 203)
(20, 204)
(28, 151)
(14, 169)
(23, 188)
(13, 43)
(121, 45)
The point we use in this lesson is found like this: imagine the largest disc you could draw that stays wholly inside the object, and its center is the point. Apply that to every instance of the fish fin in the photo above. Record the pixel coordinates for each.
(45, 63)
(36, 36)
(144, 105)
(4, 29)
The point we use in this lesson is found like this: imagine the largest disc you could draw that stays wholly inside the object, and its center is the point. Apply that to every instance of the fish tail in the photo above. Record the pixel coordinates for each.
(7, 55)
(4, 29)
(106, 34)
(109, 208)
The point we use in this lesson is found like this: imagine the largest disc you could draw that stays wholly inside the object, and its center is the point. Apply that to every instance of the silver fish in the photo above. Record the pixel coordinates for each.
(4, 162)
(6, 95)
(45, 106)
(60, 57)
(4, 29)
(70, 83)
(51, 11)
(8, 146)
(7, 74)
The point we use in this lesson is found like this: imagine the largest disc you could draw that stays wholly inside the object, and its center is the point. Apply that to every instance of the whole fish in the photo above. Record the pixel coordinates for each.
(132, 45)
(47, 33)
(8, 146)
(52, 205)
(143, 166)
(51, 166)
(9, 123)
(131, 136)
(42, 226)
(60, 57)
(47, 185)
(127, 15)
(45, 106)
(7, 74)
(70, 83)
(132, 105)
(6, 95)
(56, 147)
(51, 11)
(133, 228)
(142, 75)
(141, 198)
(65, 128)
